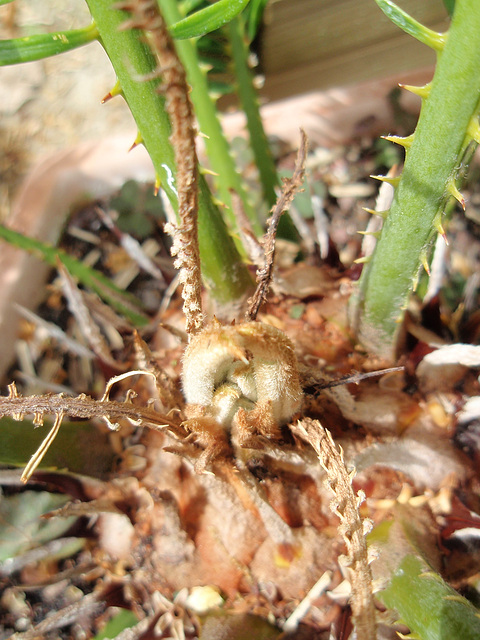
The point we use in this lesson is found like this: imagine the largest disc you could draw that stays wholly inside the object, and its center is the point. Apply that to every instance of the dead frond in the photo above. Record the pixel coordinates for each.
(352, 528)
(289, 189)
(147, 16)
(83, 406)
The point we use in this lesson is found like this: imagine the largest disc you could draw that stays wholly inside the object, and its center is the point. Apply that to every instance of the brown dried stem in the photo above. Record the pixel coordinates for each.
(146, 15)
(353, 530)
(83, 406)
(289, 189)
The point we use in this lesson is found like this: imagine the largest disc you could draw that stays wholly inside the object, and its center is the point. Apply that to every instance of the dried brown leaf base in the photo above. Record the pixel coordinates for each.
(257, 522)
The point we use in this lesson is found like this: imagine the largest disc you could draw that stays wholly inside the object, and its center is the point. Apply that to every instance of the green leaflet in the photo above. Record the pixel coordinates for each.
(21, 525)
(406, 561)
(411, 26)
(208, 19)
(124, 619)
(44, 45)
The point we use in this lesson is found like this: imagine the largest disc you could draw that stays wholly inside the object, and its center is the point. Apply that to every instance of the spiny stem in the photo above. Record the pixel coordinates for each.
(179, 108)
(431, 162)
(82, 406)
(17, 406)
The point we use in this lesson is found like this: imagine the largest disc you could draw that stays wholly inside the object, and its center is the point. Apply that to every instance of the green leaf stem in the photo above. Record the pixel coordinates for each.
(428, 606)
(123, 302)
(426, 184)
(411, 26)
(258, 139)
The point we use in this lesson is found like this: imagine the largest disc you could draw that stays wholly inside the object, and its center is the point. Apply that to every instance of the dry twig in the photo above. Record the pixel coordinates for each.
(78, 307)
(289, 189)
(146, 15)
(89, 606)
(82, 406)
(353, 530)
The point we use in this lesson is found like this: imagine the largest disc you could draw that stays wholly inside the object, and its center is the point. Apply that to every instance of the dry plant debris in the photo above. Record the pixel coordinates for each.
(290, 188)
(352, 529)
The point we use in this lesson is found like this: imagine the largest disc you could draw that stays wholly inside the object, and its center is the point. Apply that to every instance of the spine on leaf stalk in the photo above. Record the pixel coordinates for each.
(447, 125)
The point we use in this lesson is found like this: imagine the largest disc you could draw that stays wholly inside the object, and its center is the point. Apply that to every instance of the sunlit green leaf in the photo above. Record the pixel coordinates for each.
(208, 19)
(411, 26)
(37, 47)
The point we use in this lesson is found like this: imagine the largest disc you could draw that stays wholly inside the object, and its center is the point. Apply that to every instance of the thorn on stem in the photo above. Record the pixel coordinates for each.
(138, 140)
(116, 90)
(422, 92)
(392, 181)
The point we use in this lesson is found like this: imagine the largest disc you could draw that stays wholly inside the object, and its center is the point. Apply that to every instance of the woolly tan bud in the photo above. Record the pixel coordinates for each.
(242, 375)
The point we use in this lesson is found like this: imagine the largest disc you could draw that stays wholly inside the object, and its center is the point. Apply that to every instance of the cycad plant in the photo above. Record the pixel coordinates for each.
(242, 423)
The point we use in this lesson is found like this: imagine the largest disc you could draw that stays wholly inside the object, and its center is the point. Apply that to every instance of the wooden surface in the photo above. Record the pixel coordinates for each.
(309, 45)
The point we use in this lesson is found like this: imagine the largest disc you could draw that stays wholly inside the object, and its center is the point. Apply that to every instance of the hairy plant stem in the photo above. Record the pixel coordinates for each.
(431, 166)
(224, 274)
